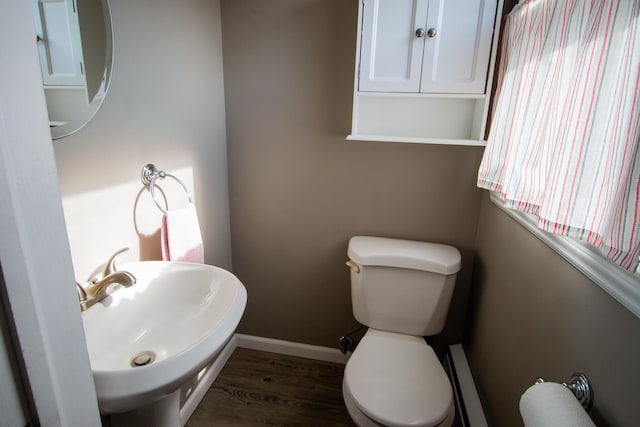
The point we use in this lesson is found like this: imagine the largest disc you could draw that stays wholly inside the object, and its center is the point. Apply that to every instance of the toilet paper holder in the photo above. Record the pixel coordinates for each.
(580, 386)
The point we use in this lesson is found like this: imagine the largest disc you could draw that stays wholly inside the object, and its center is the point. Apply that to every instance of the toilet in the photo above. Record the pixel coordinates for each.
(401, 290)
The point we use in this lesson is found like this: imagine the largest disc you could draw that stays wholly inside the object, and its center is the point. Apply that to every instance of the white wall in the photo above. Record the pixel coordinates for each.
(165, 106)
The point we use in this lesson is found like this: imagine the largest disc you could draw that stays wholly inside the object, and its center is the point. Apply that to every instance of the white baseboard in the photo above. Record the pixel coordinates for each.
(308, 351)
(468, 391)
(289, 348)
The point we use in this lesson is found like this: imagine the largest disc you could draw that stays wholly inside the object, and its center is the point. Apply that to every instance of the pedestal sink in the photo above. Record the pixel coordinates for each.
(147, 340)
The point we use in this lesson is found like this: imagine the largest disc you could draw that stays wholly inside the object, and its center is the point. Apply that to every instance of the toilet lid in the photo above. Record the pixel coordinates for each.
(397, 380)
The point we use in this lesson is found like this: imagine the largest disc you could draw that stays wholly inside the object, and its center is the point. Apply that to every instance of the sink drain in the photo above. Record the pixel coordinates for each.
(142, 359)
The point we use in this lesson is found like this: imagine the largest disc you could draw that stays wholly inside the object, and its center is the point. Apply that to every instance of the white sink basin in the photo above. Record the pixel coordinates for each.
(181, 313)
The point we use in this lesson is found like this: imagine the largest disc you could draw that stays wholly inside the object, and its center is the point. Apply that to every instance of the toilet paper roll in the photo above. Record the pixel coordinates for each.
(551, 404)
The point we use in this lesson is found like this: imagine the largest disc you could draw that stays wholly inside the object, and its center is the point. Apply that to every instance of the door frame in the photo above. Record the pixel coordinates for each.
(34, 248)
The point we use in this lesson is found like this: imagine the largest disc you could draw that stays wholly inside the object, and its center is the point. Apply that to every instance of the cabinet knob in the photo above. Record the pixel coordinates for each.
(432, 32)
(420, 32)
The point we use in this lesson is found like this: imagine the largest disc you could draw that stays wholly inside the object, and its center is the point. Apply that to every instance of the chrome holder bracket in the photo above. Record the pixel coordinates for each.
(580, 386)
(147, 174)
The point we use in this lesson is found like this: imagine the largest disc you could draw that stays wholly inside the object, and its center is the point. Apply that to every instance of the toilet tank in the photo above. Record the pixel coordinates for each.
(402, 286)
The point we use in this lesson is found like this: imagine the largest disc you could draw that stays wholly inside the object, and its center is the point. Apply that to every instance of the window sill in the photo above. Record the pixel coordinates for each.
(622, 285)
(411, 140)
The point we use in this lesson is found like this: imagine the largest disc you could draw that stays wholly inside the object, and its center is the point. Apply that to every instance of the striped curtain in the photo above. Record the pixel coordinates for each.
(563, 142)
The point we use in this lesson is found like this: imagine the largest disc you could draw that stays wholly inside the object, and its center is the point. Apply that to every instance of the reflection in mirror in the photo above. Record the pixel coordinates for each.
(75, 46)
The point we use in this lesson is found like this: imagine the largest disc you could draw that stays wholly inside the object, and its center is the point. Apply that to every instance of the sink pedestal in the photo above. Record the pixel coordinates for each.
(161, 413)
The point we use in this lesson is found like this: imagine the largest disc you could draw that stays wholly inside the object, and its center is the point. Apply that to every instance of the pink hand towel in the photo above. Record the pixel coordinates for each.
(180, 235)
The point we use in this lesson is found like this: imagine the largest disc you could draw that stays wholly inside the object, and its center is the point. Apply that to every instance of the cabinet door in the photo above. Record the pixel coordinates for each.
(390, 52)
(458, 45)
(59, 43)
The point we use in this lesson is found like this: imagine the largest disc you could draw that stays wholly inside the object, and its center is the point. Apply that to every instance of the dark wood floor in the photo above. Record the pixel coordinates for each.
(257, 388)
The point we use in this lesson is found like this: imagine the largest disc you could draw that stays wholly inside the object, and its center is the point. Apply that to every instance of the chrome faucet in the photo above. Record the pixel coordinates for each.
(95, 289)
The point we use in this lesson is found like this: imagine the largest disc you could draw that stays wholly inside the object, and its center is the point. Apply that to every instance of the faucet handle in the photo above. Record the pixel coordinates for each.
(110, 266)
(82, 294)
(107, 268)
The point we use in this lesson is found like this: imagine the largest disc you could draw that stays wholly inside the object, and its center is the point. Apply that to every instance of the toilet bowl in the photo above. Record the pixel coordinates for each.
(401, 290)
(396, 380)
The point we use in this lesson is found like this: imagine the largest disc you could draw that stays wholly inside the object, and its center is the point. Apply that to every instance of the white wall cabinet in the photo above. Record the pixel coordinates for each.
(423, 68)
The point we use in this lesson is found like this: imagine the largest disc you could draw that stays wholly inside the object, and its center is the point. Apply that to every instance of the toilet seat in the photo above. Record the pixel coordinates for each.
(397, 380)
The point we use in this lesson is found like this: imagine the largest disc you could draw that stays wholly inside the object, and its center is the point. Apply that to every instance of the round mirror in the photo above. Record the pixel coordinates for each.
(75, 45)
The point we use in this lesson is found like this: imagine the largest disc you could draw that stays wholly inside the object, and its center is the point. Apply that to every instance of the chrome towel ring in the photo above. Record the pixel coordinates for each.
(148, 176)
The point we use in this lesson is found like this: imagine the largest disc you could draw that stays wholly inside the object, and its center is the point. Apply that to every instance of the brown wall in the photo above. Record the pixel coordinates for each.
(534, 315)
(299, 190)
